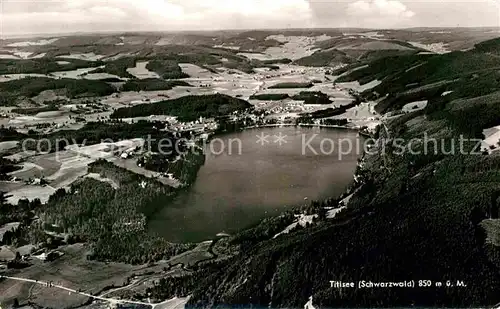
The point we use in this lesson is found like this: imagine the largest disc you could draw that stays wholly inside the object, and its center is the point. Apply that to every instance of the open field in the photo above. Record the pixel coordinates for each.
(63, 168)
(141, 72)
(72, 270)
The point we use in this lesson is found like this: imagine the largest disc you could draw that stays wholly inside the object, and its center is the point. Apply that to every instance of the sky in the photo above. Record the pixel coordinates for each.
(61, 16)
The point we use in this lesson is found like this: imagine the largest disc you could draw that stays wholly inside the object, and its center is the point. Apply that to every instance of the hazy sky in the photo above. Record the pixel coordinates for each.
(47, 16)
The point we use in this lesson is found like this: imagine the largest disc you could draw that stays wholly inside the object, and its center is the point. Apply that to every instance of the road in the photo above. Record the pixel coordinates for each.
(111, 300)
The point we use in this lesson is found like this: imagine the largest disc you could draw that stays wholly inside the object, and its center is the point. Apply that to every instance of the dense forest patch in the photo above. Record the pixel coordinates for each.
(186, 108)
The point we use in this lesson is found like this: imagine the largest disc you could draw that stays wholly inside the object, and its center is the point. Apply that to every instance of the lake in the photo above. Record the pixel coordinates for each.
(244, 181)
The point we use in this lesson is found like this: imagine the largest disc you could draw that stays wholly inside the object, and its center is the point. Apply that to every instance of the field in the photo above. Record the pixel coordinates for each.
(63, 168)
(141, 72)
(5, 146)
(72, 270)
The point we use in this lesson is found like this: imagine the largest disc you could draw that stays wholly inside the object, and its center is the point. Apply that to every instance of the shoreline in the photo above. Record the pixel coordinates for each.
(222, 133)
(350, 190)
(302, 125)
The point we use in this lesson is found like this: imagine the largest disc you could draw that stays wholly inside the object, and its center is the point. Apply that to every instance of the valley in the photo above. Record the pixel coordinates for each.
(117, 185)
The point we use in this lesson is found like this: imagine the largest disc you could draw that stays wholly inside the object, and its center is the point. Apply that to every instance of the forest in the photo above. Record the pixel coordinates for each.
(94, 133)
(113, 222)
(291, 85)
(312, 98)
(42, 65)
(32, 86)
(324, 58)
(7, 166)
(118, 67)
(188, 108)
(270, 96)
(330, 112)
(52, 106)
(151, 84)
(167, 69)
(10, 134)
(183, 168)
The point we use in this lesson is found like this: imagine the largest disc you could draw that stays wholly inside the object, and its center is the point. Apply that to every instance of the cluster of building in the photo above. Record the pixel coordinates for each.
(198, 126)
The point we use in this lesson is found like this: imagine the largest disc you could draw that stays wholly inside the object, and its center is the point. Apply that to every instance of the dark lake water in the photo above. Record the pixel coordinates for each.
(245, 181)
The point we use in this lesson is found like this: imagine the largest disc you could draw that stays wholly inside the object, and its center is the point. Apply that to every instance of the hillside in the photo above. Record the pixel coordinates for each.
(32, 86)
(414, 217)
(187, 108)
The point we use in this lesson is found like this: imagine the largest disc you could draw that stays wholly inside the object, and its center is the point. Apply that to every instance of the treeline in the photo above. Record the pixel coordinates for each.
(118, 67)
(32, 86)
(313, 98)
(334, 122)
(24, 214)
(43, 65)
(188, 108)
(167, 69)
(330, 112)
(95, 133)
(408, 78)
(19, 213)
(10, 134)
(35, 110)
(291, 85)
(270, 96)
(324, 58)
(7, 166)
(183, 166)
(170, 287)
(151, 84)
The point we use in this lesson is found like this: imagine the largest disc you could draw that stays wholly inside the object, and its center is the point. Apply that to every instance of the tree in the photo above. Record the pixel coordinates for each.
(3, 199)
(322, 212)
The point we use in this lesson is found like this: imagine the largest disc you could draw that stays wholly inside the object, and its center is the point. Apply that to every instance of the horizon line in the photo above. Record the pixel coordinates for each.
(5, 36)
